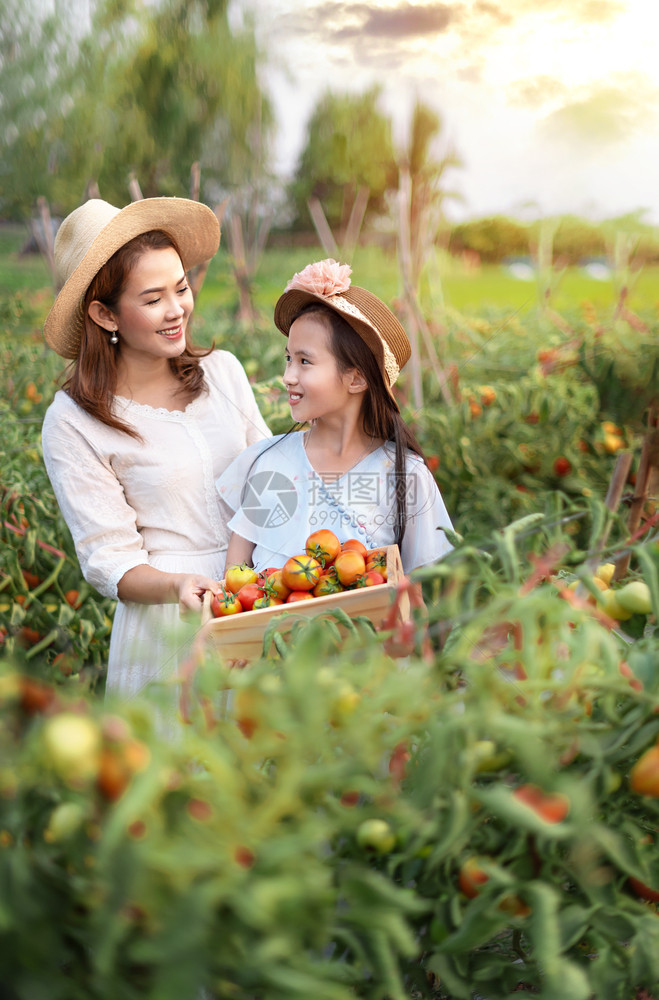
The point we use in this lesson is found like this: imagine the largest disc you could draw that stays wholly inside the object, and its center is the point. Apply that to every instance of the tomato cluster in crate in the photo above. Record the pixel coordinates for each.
(325, 567)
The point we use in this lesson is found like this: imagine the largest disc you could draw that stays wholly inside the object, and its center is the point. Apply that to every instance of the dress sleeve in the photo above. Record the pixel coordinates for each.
(92, 501)
(424, 542)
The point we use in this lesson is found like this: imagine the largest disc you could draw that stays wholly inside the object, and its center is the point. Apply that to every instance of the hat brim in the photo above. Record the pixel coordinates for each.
(291, 303)
(193, 226)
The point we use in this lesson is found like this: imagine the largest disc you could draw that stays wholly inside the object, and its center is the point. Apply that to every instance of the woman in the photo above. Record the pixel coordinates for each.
(144, 424)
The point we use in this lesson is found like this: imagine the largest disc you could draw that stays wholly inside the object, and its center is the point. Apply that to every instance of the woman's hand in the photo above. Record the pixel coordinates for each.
(191, 590)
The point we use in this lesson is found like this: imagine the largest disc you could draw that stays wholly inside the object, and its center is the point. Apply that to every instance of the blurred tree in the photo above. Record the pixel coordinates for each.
(423, 181)
(348, 146)
(492, 239)
(34, 54)
(145, 90)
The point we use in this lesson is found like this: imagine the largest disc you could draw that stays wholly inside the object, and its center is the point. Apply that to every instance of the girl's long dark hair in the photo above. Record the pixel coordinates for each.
(380, 415)
(92, 378)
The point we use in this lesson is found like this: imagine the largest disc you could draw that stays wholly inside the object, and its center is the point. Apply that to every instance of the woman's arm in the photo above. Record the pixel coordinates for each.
(239, 551)
(147, 585)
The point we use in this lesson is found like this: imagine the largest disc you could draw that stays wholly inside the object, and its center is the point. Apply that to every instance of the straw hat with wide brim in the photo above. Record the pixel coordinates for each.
(328, 283)
(92, 233)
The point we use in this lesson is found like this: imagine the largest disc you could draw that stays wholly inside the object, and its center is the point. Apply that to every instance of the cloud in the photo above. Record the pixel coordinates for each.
(534, 92)
(405, 21)
(336, 22)
(607, 114)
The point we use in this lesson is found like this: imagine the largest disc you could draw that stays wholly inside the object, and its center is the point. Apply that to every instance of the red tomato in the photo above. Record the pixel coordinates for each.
(265, 573)
(299, 595)
(644, 776)
(377, 559)
(31, 579)
(323, 545)
(301, 572)
(225, 603)
(328, 584)
(550, 806)
(562, 466)
(371, 578)
(643, 890)
(349, 566)
(274, 585)
(266, 601)
(248, 594)
(237, 576)
(72, 597)
(398, 762)
(472, 877)
(354, 545)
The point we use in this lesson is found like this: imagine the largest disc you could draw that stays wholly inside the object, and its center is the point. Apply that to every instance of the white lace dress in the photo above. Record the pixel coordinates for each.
(279, 499)
(129, 502)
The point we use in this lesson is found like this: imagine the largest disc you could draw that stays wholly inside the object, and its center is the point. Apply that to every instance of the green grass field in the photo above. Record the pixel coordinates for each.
(448, 283)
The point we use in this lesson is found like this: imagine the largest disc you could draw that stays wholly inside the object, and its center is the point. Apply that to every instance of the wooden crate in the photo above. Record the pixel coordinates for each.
(241, 636)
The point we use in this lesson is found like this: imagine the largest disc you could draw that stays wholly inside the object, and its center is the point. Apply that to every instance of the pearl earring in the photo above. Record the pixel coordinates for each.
(114, 339)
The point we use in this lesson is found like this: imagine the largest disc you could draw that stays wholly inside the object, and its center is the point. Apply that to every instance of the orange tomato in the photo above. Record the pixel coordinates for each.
(273, 584)
(349, 565)
(644, 776)
(472, 877)
(323, 545)
(354, 545)
(376, 559)
(301, 572)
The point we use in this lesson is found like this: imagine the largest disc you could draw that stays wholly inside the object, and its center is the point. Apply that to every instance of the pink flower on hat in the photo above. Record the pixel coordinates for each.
(325, 277)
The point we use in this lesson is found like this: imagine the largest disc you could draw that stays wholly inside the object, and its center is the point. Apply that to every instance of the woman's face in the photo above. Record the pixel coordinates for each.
(153, 309)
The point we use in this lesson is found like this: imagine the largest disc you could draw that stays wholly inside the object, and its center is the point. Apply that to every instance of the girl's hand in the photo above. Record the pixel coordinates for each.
(191, 590)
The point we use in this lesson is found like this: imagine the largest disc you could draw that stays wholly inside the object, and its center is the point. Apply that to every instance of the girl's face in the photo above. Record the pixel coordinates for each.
(316, 388)
(153, 309)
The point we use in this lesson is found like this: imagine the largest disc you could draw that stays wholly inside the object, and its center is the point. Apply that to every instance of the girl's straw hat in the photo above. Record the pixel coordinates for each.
(92, 233)
(328, 282)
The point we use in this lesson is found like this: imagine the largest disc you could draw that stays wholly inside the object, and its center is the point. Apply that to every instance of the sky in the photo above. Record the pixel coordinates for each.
(552, 105)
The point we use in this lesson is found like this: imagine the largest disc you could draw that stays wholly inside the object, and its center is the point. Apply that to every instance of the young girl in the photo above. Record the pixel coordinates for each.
(145, 423)
(357, 470)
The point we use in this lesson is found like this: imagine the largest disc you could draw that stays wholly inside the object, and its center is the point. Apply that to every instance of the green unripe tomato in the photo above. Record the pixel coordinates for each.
(376, 835)
(635, 597)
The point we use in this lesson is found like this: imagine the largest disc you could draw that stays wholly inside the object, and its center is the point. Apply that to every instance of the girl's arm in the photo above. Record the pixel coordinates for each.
(239, 551)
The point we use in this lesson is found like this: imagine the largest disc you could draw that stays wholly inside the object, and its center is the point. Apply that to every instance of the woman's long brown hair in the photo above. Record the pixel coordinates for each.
(380, 415)
(92, 379)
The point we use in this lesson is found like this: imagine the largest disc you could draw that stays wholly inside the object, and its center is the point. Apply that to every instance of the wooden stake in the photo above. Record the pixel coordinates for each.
(321, 225)
(649, 461)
